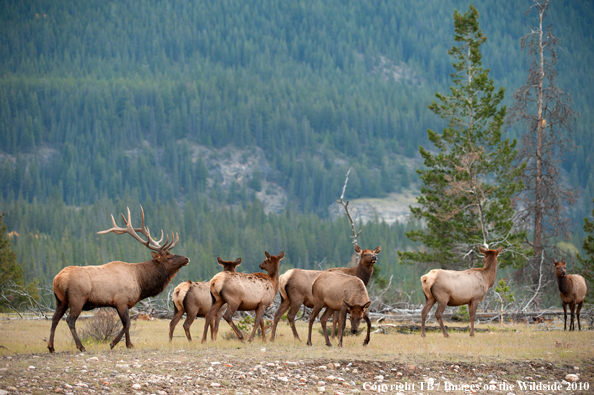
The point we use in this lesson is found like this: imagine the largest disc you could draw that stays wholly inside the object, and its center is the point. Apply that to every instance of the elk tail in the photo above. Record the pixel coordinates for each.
(427, 282)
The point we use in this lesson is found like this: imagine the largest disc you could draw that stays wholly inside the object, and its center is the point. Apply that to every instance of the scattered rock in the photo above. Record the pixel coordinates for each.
(136, 387)
(572, 377)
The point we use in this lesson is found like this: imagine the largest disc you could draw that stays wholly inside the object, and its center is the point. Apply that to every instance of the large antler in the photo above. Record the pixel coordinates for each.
(150, 242)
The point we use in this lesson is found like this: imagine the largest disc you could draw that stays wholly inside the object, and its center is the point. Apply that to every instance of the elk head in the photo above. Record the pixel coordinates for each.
(368, 257)
(356, 312)
(560, 268)
(229, 266)
(271, 263)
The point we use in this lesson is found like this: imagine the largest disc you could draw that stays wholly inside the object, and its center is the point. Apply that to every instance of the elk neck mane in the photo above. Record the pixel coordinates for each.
(564, 284)
(489, 270)
(153, 277)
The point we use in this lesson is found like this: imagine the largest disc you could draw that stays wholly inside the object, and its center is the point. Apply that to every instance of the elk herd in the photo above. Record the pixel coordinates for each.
(340, 291)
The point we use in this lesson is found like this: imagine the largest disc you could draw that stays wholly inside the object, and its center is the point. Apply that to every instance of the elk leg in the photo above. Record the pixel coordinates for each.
(258, 322)
(215, 325)
(335, 321)
(191, 314)
(291, 317)
(438, 314)
(428, 305)
(61, 308)
(284, 306)
(323, 320)
(228, 316)
(123, 313)
(75, 310)
(572, 310)
(366, 341)
(564, 315)
(579, 308)
(214, 309)
(312, 318)
(177, 315)
(472, 306)
(341, 324)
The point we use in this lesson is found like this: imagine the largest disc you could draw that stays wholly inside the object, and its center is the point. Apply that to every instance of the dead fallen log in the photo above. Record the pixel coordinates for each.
(412, 328)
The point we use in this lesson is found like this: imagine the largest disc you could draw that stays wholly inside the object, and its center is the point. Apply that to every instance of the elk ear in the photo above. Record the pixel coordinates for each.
(358, 249)
(220, 261)
(267, 254)
(349, 307)
(154, 254)
(281, 255)
(563, 261)
(482, 250)
(499, 250)
(377, 250)
(237, 262)
(366, 305)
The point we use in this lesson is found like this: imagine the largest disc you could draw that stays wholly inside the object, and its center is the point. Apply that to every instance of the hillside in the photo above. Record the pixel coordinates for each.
(226, 107)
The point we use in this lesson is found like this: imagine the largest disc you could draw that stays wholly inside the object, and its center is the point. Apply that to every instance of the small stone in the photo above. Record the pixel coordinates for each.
(576, 368)
(68, 386)
(215, 363)
(215, 384)
(136, 387)
(2, 392)
(322, 367)
(321, 389)
(270, 364)
(31, 367)
(321, 383)
(399, 374)
(381, 378)
(572, 377)
(492, 382)
(263, 349)
(93, 359)
(330, 378)
(122, 365)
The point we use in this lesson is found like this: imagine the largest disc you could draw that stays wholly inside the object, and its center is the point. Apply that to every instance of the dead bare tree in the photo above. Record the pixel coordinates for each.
(345, 205)
(544, 110)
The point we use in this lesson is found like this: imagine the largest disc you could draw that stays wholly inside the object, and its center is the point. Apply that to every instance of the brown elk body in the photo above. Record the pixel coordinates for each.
(341, 292)
(193, 298)
(116, 284)
(572, 288)
(244, 292)
(295, 287)
(456, 288)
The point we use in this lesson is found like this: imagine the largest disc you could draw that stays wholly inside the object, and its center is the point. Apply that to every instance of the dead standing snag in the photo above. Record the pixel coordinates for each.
(116, 284)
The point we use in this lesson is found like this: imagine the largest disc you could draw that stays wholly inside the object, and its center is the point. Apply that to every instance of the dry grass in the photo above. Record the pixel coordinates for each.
(28, 337)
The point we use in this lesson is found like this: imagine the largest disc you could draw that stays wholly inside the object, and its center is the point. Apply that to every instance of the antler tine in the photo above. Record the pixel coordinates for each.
(174, 243)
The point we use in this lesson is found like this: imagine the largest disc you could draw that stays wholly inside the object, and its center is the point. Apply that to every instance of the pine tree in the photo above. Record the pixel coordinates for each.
(10, 270)
(468, 184)
(587, 262)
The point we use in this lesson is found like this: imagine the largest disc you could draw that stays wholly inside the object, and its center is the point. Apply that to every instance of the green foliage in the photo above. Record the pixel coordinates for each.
(469, 183)
(462, 314)
(10, 270)
(587, 261)
(502, 288)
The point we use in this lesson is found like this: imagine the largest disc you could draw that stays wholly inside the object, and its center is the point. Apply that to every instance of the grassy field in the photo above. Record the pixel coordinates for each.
(510, 353)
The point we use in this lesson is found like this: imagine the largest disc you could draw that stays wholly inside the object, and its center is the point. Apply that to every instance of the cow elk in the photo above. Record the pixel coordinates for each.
(456, 288)
(244, 292)
(337, 291)
(115, 284)
(572, 288)
(193, 298)
(295, 288)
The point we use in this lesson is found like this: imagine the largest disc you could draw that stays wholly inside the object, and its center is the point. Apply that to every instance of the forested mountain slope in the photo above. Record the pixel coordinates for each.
(123, 102)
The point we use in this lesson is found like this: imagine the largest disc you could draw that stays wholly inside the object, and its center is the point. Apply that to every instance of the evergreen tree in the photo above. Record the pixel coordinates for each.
(466, 196)
(10, 270)
(587, 262)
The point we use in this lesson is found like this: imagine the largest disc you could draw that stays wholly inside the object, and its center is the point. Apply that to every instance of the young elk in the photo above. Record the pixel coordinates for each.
(572, 288)
(295, 287)
(193, 298)
(116, 284)
(341, 292)
(456, 288)
(244, 292)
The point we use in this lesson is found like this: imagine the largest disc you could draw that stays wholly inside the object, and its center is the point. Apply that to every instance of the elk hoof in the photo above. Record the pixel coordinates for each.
(130, 345)
(422, 335)
(51, 349)
(111, 346)
(82, 348)
(366, 342)
(309, 343)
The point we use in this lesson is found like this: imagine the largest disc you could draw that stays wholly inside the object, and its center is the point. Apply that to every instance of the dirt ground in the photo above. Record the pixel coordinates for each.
(394, 364)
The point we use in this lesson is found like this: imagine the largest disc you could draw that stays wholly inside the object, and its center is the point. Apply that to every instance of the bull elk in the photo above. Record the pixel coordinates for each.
(295, 287)
(244, 292)
(572, 289)
(193, 298)
(456, 288)
(115, 284)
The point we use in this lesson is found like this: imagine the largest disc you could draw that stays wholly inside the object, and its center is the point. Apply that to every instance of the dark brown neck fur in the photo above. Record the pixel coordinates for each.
(361, 271)
(153, 277)
(564, 285)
